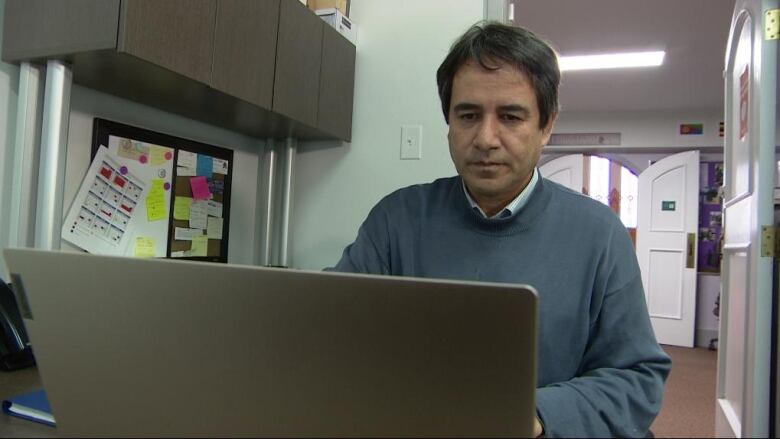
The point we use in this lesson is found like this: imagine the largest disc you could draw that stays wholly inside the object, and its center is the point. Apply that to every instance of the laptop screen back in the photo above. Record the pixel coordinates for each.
(131, 347)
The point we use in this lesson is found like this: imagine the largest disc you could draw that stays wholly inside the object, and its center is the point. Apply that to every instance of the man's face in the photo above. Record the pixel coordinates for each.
(495, 139)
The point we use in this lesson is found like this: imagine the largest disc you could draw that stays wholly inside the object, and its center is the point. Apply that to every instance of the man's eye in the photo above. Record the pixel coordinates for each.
(467, 116)
(511, 117)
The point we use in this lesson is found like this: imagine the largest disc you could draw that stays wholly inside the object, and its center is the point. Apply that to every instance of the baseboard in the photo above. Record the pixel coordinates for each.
(703, 337)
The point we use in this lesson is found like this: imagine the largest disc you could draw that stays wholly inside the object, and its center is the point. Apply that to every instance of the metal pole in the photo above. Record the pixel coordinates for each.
(288, 176)
(497, 10)
(266, 179)
(26, 157)
(54, 139)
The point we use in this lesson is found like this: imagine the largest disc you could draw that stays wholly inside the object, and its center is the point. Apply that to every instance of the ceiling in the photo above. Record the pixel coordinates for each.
(692, 32)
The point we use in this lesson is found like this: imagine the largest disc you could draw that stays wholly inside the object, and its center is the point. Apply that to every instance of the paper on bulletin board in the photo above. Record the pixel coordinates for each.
(144, 247)
(154, 166)
(105, 212)
(181, 208)
(145, 165)
(156, 208)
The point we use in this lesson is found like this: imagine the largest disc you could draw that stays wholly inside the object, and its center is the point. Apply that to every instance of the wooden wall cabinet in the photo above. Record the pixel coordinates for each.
(337, 84)
(245, 49)
(297, 82)
(175, 34)
(36, 29)
(266, 68)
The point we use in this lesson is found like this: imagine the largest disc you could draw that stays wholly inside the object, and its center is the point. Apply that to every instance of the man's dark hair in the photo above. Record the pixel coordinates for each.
(490, 42)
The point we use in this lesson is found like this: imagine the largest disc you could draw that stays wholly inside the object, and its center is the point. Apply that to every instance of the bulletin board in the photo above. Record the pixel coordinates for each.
(179, 205)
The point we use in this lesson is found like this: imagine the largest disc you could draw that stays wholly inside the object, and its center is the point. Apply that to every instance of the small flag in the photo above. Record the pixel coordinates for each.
(687, 129)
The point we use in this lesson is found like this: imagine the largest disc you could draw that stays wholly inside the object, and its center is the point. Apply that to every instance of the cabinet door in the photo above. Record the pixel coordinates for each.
(245, 49)
(298, 56)
(337, 85)
(175, 34)
(41, 28)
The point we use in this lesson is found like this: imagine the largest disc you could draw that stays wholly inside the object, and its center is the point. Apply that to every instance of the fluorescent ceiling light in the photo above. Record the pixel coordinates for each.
(611, 61)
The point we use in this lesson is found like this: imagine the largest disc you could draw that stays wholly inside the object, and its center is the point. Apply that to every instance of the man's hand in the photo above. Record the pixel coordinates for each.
(537, 427)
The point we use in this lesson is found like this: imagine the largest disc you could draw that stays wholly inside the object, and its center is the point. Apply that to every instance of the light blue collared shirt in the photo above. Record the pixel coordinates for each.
(514, 206)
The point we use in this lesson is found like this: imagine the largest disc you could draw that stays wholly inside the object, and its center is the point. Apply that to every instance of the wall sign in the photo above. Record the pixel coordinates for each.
(582, 139)
(669, 206)
(687, 129)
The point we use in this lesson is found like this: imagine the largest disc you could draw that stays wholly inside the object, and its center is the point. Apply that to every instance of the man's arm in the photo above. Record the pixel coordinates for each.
(364, 255)
(619, 389)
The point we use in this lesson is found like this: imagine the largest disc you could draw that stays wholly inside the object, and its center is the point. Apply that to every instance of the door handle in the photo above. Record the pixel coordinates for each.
(691, 250)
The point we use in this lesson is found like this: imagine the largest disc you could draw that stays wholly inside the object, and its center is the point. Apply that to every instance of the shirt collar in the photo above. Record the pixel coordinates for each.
(514, 206)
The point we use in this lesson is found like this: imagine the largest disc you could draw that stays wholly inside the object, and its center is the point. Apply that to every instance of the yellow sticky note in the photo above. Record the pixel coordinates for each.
(155, 208)
(144, 247)
(200, 245)
(155, 202)
(159, 155)
(181, 208)
(158, 185)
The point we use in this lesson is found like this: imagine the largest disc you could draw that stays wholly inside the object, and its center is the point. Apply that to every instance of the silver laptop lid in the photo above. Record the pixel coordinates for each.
(132, 347)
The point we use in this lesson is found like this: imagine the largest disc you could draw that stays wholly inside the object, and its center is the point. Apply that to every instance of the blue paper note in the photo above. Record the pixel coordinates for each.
(216, 186)
(205, 166)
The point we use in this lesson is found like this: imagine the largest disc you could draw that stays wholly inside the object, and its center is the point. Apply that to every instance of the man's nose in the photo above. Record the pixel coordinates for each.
(488, 134)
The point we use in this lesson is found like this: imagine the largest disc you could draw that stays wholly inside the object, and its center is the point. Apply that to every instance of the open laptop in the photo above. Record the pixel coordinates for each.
(134, 347)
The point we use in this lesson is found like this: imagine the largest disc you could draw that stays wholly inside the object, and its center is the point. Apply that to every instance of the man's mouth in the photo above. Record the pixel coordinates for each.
(486, 164)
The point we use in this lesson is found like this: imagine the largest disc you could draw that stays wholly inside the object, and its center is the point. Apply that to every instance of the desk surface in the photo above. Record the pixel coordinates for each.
(12, 384)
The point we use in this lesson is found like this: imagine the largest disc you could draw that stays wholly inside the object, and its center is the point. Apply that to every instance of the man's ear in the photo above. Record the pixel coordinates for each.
(547, 130)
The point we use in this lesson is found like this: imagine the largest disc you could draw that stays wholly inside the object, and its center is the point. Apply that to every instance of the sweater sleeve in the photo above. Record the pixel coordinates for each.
(369, 253)
(619, 387)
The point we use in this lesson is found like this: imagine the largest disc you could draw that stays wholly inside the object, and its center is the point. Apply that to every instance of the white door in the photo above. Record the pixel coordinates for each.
(566, 170)
(744, 345)
(667, 224)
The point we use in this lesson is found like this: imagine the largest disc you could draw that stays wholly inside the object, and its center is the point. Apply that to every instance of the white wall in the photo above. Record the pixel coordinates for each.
(87, 104)
(645, 129)
(707, 291)
(400, 46)
(9, 80)
(648, 129)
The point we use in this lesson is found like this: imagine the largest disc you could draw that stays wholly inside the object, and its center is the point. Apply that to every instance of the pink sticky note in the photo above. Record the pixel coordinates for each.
(200, 188)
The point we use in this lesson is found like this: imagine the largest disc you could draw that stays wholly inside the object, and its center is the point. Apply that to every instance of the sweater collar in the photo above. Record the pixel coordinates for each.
(536, 203)
(513, 207)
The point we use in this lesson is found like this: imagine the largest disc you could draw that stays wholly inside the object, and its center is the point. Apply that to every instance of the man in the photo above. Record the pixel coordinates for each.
(600, 369)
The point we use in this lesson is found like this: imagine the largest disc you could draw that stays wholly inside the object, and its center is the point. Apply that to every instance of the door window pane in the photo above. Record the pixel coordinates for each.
(599, 179)
(628, 192)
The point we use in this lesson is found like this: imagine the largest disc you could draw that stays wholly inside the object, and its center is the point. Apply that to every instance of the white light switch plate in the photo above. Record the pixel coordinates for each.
(411, 142)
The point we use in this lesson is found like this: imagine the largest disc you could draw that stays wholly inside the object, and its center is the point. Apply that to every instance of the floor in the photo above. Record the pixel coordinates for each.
(688, 408)
(689, 398)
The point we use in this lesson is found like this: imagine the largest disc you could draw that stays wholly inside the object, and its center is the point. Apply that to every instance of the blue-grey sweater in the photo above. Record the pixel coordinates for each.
(600, 369)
